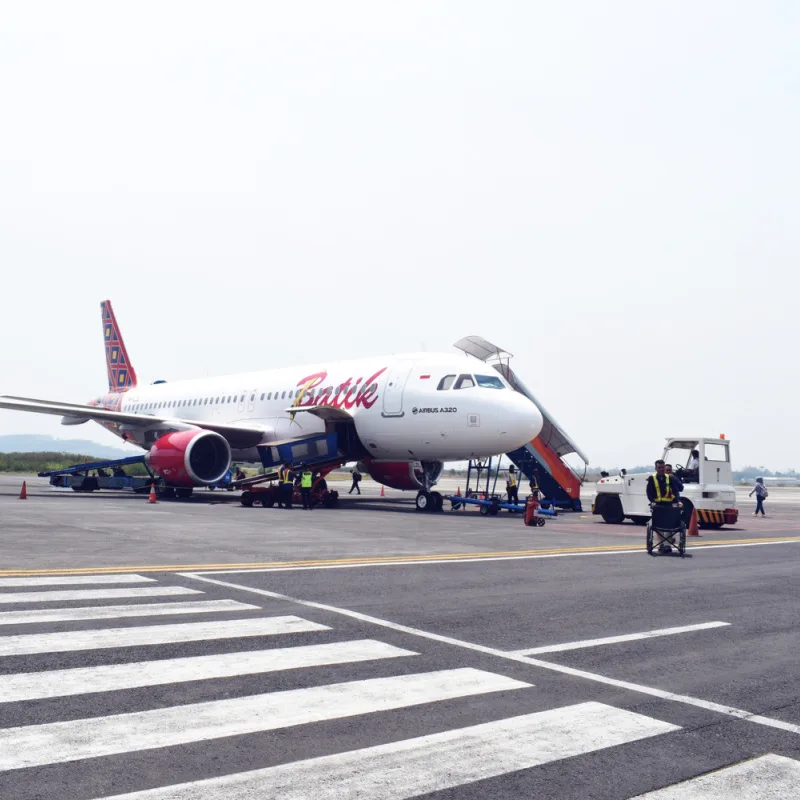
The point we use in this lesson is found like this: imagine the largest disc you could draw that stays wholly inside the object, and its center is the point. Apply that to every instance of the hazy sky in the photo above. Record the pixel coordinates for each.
(609, 190)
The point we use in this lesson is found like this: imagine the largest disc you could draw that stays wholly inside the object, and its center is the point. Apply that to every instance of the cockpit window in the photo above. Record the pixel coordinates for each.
(464, 382)
(489, 382)
(445, 383)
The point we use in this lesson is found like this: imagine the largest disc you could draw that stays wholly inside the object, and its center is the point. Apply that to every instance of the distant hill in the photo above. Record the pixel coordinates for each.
(35, 443)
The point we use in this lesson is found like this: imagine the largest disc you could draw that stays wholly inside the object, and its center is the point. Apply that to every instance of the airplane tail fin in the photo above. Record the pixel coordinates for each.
(121, 374)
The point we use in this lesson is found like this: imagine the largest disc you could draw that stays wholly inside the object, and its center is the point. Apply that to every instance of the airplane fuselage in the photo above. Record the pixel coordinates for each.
(422, 406)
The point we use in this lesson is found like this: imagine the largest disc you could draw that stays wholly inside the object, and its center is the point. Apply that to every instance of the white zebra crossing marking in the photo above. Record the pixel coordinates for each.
(426, 764)
(93, 594)
(40, 615)
(114, 677)
(59, 742)
(28, 643)
(769, 777)
(73, 580)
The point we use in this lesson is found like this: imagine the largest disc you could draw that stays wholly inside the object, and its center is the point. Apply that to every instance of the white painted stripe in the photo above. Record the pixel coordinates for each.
(74, 580)
(769, 776)
(93, 594)
(40, 615)
(426, 764)
(628, 637)
(114, 677)
(409, 563)
(479, 648)
(58, 742)
(28, 643)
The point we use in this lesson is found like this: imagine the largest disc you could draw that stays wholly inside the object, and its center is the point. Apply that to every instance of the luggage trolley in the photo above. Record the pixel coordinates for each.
(665, 525)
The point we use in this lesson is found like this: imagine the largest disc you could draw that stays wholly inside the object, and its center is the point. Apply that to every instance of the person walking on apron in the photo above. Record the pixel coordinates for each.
(761, 494)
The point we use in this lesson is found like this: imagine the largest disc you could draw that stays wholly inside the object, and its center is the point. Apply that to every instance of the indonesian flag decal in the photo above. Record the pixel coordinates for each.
(424, 377)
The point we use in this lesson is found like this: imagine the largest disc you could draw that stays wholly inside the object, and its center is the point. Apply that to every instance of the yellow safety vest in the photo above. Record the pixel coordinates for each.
(286, 476)
(306, 480)
(512, 481)
(668, 495)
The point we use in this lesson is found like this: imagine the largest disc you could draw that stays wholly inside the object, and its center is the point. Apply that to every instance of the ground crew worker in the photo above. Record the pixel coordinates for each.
(286, 478)
(356, 480)
(663, 489)
(511, 485)
(306, 482)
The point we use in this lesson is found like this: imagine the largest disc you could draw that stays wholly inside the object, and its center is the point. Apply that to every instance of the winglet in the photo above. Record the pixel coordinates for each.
(121, 374)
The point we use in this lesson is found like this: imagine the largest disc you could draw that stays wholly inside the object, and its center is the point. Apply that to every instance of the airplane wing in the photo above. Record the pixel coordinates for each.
(238, 436)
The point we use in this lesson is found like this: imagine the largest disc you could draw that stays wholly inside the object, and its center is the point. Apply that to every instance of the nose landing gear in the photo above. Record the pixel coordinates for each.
(429, 501)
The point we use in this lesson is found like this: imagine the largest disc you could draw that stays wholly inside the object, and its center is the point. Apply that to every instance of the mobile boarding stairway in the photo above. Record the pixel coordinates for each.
(541, 460)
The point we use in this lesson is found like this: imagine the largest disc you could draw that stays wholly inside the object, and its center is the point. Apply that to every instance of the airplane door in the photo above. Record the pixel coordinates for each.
(251, 400)
(240, 402)
(393, 390)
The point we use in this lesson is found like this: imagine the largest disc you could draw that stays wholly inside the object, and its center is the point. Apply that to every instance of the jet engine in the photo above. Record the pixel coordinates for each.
(409, 475)
(190, 458)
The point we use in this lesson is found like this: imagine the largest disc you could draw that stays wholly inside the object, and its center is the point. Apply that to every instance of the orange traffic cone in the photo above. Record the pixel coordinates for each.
(152, 498)
(693, 524)
(458, 492)
(23, 494)
(383, 491)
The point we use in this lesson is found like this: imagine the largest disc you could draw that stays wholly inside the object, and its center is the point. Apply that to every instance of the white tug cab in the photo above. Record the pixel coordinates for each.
(709, 489)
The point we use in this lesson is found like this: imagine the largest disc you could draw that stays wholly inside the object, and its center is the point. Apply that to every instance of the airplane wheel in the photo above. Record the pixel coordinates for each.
(438, 501)
(424, 502)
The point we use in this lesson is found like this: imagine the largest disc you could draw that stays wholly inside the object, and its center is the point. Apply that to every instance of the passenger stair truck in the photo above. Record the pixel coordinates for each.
(541, 460)
(712, 493)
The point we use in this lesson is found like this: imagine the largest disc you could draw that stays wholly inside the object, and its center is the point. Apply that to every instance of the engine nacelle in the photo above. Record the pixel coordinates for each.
(414, 475)
(190, 458)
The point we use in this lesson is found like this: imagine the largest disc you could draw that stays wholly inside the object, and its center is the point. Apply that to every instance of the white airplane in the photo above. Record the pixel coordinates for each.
(402, 416)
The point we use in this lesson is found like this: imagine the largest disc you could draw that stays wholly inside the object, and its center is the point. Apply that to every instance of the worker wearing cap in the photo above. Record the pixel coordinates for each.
(511, 486)
(306, 482)
(286, 479)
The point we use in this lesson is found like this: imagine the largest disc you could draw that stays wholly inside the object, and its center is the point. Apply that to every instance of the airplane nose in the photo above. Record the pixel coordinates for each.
(523, 420)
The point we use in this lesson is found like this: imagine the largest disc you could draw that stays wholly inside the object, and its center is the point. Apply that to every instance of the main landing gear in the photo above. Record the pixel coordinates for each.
(429, 501)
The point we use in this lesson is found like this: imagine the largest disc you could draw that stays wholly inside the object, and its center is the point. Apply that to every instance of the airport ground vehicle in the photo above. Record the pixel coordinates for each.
(624, 496)
(268, 496)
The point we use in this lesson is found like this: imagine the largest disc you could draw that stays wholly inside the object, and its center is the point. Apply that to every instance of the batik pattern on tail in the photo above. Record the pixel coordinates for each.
(121, 375)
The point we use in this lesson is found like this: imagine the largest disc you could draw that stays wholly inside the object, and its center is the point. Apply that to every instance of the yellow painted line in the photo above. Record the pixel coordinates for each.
(404, 559)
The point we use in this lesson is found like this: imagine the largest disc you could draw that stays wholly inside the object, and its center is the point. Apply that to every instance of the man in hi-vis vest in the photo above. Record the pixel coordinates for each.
(511, 485)
(306, 482)
(663, 488)
(286, 481)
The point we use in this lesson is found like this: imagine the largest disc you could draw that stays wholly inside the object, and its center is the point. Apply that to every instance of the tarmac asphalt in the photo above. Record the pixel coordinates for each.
(204, 650)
